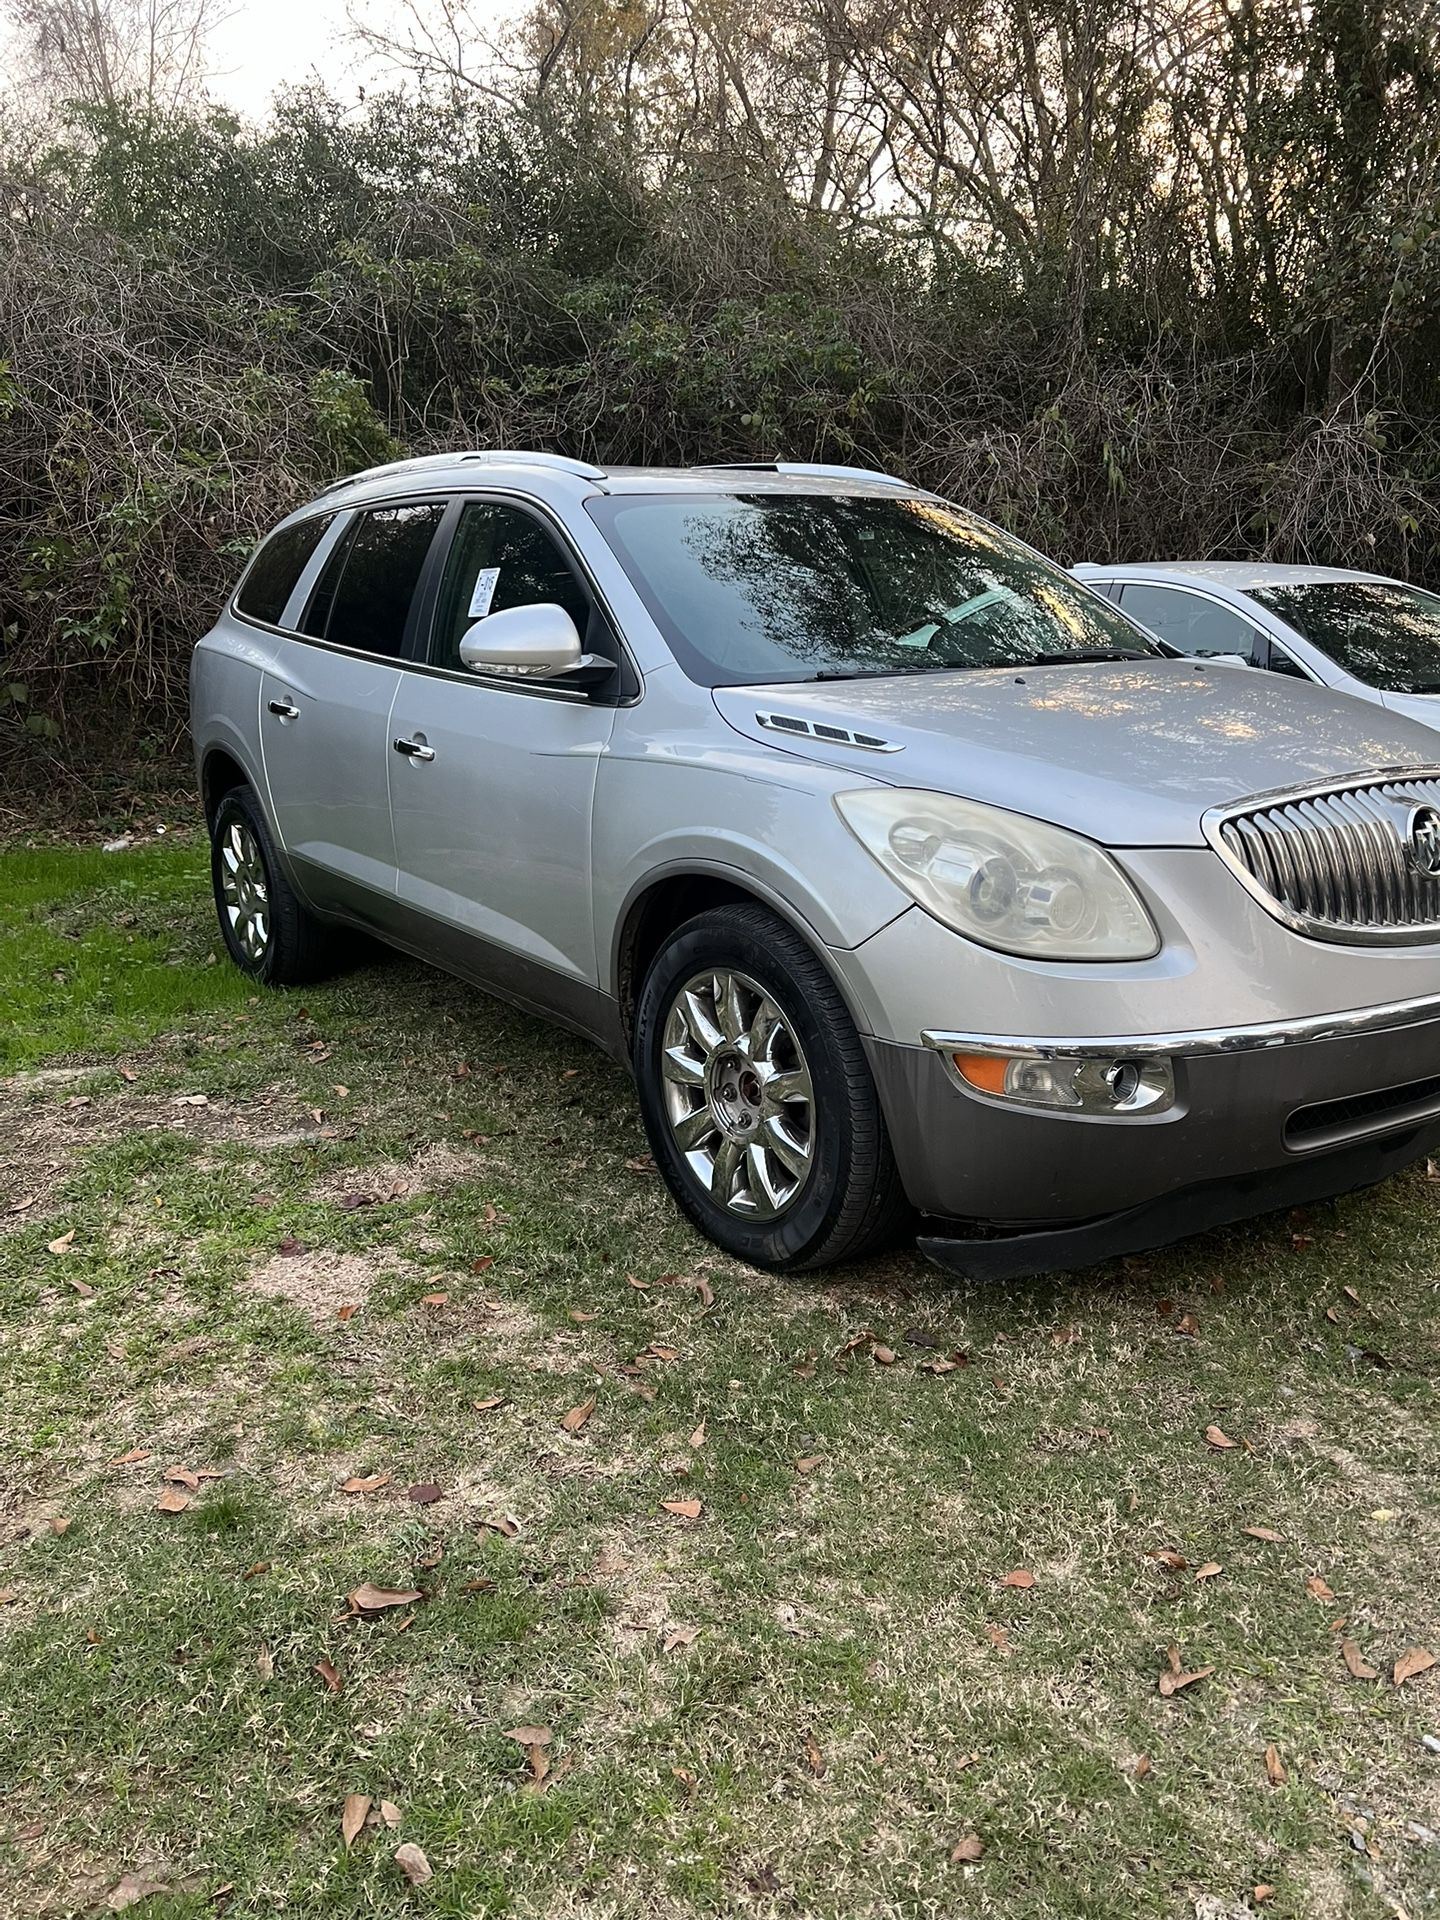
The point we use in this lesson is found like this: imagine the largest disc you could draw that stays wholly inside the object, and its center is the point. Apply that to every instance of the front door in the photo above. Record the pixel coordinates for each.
(492, 782)
(325, 705)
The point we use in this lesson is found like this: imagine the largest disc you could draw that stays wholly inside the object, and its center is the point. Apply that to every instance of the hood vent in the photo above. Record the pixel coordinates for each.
(823, 730)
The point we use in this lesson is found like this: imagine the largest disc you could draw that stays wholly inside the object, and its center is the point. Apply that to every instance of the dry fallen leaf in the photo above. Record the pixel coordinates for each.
(809, 1463)
(58, 1524)
(355, 1484)
(1317, 1589)
(370, 1599)
(63, 1244)
(697, 1438)
(503, 1523)
(1414, 1660)
(683, 1509)
(1168, 1557)
(348, 1311)
(424, 1494)
(970, 1848)
(883, 1356)
(1218, 1438)
(132, 1457)
(265, 1662)
(580, 1315)
(1264, 1533)
(814, 1759)
(1173, 1679)
(1209, 1570)
(679, 1637)
(1019, 1578)
(530, 1736)
(999, 1639)
(83, 1288)
(1356, 1662)
(1262, 1893)
(172, 1501)
(577, 1416)
(352, 1815)
(1274, 1766)
(330, 1674)
(434, 1299)
(1142, 1767)
(413, 1864)
(703, 1287)
(483, 1264)
(390, 1813)
(489, 1406)
(131, 1889)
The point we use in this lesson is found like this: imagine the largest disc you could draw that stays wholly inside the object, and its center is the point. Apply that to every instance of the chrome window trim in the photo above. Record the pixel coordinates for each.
(1329, 932)
(1203, 1041)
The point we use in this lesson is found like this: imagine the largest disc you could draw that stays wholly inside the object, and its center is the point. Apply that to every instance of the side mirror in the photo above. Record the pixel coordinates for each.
(533, 643)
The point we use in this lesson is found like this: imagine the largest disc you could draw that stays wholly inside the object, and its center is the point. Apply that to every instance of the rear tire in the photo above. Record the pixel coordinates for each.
(268, 930)
(757, 1097)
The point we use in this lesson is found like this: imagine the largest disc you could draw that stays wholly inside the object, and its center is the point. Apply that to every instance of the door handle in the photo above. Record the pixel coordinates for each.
(414, 750)
(285, 709)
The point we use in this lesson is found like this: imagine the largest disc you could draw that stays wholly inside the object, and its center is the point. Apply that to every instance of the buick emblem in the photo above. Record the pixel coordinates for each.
(1422, 841)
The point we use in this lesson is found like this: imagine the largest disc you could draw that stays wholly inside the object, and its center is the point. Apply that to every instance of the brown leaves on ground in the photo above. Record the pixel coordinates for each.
(1263, 1533)
(1414, 1660)
(330, 1674)
(489, 1406)
(370, 1599)
(1218, 1438)
(697, 1438)
(352, 1816)
(576, 1418)
(63, 1244)
(172, 1501)
(1318, 1589)
(1356, 1661)
(424, 1493)
(1209, 1570)
(970, 1848)
(678, 1638)
(536, 1742)
(808, 1462)
(1020, 1578)
(1274, 1766)
(814, 1759)
(683, 1509)
(413, 1864)
(1174, 1677)
(370, 1484)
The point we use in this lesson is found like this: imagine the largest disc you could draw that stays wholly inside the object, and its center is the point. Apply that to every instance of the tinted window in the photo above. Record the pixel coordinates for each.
(787, 586)
(278, 565)
(1386, 634)
(500, 557)
(363, 596)
(1189, 621)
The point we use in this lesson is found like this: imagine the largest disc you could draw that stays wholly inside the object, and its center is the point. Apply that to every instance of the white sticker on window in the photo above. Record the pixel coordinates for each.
(485, 583)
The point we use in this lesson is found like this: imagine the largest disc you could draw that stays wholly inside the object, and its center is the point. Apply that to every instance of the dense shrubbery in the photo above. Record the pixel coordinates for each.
(199, 323)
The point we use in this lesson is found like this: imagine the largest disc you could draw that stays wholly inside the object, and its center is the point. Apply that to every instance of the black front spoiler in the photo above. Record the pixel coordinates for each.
(1005, 1255)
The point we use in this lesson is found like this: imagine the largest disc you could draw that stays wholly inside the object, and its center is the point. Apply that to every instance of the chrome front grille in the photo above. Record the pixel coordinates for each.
(1358, 863)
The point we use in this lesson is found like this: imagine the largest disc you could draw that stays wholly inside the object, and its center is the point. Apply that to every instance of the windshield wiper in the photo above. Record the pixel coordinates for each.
(1085, 656)
(883, 673)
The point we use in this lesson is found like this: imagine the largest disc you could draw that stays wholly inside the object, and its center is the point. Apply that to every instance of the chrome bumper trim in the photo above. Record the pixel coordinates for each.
(1208, 1040)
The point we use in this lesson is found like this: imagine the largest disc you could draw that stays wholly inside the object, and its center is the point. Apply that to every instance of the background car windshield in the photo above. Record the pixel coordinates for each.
(1386, 634)
(762, 587)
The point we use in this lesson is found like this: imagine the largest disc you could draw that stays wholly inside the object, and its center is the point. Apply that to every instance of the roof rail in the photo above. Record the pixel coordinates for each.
(582, 469)
(813, 469)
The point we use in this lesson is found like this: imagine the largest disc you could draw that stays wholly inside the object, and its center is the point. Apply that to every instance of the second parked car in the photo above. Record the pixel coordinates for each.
(906, 875)
(1360, 633)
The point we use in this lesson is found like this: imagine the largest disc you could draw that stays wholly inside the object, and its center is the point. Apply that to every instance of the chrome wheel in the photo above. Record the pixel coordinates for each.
(245, 889)
(738, 1095)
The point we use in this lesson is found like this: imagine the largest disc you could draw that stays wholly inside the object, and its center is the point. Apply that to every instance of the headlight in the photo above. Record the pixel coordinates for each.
(1007, 881)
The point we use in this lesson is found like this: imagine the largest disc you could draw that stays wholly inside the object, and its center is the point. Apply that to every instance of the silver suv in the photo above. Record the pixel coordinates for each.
(906, 874)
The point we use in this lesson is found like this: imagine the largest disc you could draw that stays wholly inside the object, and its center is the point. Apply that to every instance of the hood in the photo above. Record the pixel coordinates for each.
(1424, 707)
(1129, 753)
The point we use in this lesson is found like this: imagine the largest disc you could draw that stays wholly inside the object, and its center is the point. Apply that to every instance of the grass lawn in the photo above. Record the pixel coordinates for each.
(388, 1233)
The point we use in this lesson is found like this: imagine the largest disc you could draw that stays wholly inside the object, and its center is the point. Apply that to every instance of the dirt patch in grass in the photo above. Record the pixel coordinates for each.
(320, 1282)
(434, 1168)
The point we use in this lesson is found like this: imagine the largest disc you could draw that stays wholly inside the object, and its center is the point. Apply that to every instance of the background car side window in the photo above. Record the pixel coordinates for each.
(272, 574)
(500, 557)
(362, 598)
(1189, 621)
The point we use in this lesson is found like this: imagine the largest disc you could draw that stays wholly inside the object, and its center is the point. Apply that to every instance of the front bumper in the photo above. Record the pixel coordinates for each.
(1263, 1118)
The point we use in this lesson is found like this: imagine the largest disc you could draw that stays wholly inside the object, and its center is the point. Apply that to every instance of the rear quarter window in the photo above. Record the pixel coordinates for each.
(270, 579)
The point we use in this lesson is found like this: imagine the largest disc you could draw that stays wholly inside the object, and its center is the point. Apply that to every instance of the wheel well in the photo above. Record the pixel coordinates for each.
(219, 774)
(655, 916)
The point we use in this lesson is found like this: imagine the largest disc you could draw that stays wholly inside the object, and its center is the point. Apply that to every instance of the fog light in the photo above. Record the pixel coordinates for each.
(1071, 1083)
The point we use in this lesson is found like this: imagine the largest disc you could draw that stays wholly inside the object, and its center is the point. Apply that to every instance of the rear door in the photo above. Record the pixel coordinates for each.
(325, 708)
(492, 780)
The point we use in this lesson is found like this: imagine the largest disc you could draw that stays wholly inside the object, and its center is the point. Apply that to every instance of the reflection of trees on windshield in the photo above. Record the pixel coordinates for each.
(1386, 634)
(761, 587)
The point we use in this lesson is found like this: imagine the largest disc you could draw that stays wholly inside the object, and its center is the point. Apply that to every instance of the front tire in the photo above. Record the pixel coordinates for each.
(757, 1098)
(268, 930)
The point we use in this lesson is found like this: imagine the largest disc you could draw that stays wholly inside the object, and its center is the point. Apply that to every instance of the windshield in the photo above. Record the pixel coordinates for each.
(1386, 634)
(763, 587)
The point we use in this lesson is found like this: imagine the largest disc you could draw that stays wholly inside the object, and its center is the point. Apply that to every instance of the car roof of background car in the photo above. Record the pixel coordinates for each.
(1239, 575)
